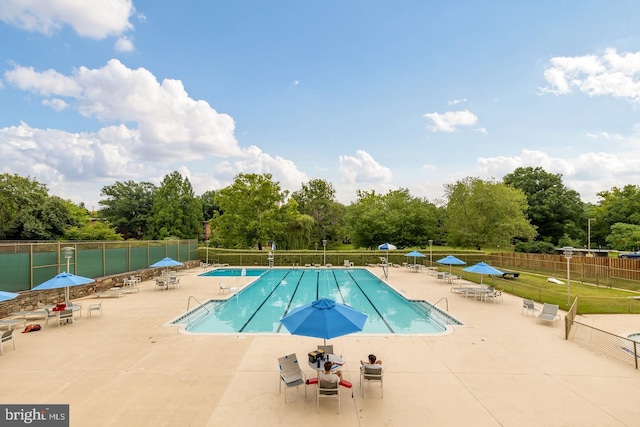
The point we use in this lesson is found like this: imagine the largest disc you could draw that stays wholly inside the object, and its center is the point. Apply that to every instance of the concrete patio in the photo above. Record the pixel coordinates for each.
(502, 368)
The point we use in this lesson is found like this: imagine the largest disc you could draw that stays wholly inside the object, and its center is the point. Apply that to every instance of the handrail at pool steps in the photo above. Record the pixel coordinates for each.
(200, 306)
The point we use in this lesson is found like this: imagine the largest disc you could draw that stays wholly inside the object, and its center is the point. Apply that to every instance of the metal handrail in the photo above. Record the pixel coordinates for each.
(445, 300)
(188, 305)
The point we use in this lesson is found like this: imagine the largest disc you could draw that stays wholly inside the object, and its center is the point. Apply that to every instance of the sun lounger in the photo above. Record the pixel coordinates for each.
(111, 293)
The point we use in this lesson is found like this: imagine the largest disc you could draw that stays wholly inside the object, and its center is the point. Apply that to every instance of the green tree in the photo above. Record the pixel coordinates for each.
(552, 208)
(316, 199)
(28, 212)
(396, 217)
(127, 207)
(296, 233)
(617, 206)
(209, 207)
(485, 213)
(249, 211)
(96, 231)
(176, 211)
(624, 237)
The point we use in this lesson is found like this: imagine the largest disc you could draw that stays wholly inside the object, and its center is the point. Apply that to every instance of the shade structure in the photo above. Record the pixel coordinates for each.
(6, 296)
(415, 255)
(166, 262)
(63, 280)
(482, 269)
(324, 318)
(450, 260)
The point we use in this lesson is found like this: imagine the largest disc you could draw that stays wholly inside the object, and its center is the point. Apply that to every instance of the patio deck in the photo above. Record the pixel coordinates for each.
(501, 369)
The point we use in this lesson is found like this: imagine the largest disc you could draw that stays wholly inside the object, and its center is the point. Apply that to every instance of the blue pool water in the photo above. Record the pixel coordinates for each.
(260, 306)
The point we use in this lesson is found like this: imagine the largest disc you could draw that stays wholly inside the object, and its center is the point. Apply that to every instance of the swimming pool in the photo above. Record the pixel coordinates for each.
(259, 307)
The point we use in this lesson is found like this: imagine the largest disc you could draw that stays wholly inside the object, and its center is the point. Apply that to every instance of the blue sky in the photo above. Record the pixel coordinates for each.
(368, 95)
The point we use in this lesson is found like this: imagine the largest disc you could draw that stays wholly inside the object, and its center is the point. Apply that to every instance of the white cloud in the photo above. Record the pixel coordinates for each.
(171, 125)
(482, 131)
(363, 169)
(124, 44)
(55, 103)
(451, 120)
(606, 135)
(457, 101)
(588, 173)
(610, 74)
(96, 19)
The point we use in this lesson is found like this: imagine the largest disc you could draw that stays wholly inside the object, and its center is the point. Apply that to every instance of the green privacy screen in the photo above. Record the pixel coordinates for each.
(25, 265)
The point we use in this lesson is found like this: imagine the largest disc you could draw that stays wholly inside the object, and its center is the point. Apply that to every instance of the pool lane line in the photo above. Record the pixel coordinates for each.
(371, 302)
(338, 285)
(286, 310)
(263, 302)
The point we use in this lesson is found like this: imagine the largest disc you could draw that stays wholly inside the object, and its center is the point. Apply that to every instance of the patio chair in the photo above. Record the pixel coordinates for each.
(173, 281)
(290, 374)
(327, 389)
(6, 337)
(49, 313)
(94, 307)
(495, 295)
(65, 317)
(74, 307)
(529, 305)
(549, 313)
(371, 373)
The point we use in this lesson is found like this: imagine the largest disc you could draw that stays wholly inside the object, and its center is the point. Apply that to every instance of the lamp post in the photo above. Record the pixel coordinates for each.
(430, 253)
(207, 261)
(68, 253)
(589, 235)
(568, 253)
(324, 252)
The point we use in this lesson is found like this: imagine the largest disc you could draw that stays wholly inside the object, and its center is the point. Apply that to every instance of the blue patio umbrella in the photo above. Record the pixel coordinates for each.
(166, 262)
(6, 296)
(415, 254)
(450, 260)
(63, 280)
(324, 318)
(483, 268)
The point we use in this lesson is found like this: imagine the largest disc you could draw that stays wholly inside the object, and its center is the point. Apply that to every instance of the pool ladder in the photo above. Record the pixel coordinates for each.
(189, 303)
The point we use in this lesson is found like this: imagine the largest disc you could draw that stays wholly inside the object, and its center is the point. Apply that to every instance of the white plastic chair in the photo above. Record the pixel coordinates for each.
(290, 374)
(95, 307)
(6, 337)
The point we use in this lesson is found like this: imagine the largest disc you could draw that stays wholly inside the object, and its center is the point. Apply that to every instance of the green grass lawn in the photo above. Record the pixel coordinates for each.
(591, 299)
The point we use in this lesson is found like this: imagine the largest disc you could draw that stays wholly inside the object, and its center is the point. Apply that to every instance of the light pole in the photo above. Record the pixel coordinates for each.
(589, 235)
(324, 252)
(568, 253)
(207, 261)
(430, 253)
(68, 253)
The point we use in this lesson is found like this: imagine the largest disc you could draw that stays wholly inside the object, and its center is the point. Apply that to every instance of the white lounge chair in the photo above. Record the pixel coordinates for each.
(94, 307)
(6, 337)
(549, 313)
(326, 389)
(290, 374)
(529, 305)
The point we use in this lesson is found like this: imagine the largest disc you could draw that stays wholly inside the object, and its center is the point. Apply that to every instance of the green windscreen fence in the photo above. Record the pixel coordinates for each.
(25, 265)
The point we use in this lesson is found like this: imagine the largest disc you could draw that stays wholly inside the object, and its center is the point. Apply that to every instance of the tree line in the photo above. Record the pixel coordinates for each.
(530, 210)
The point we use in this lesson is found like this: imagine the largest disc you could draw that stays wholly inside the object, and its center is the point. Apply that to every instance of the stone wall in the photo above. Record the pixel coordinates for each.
(30, 300)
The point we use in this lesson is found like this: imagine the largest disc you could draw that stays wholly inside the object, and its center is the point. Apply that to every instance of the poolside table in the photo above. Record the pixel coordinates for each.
(338, 363)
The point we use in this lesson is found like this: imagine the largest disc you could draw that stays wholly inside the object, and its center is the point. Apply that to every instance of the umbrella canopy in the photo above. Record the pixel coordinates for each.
(63, 280)
(450, 260)
(6, 296)
(415, 254)
(483, 268)
(166, 262)
(387, 247)
(324, 318)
